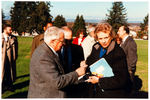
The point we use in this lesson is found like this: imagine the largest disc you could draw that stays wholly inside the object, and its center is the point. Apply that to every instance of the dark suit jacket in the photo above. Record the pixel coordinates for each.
(130, 49)
(47, 77)
(76, 90)
(113, 86)
(76, 57)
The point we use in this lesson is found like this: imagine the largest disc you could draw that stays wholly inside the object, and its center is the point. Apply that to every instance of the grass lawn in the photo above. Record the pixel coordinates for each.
(142, 63)
(22, 82)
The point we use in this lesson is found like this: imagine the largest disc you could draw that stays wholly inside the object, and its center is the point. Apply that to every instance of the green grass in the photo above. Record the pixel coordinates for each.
(22, 64)
(23, 61)
(142, 63)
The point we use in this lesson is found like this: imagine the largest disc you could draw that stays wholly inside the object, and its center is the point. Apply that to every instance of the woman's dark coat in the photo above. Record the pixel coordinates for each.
(118, 85)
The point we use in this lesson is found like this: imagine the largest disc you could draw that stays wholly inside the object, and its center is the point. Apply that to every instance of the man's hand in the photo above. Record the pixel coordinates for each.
(81, 70)
(93, 79)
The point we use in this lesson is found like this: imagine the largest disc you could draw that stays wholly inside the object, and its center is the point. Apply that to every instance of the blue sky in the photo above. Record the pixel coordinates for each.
(136, 10)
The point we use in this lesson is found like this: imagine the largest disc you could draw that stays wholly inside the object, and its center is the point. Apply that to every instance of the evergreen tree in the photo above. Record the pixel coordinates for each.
(59, 21)
(144, 24)
(29, 16)
(75, 25)
(79, 24)
(82, 24)
(117, 16)
(144, 27)
(43, 16)
(16, 17)
(3, 21)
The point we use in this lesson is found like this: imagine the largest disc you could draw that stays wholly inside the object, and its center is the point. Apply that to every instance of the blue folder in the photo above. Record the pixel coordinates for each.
(102, 67)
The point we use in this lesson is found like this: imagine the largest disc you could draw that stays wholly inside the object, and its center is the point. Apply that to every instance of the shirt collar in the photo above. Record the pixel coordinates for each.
(124, 39)
(91, 37)
(6, 36)
(53, 50)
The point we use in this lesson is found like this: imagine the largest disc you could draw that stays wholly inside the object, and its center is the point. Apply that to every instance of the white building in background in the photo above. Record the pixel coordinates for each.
(15, 33)
(27, 34)
(133, 34)
(34, 33)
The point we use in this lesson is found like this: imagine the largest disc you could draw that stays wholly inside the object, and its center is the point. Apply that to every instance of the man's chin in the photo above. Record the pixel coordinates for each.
(104, 46)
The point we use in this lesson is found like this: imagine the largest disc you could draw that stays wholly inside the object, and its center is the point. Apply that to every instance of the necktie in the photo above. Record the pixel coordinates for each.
(69, 59)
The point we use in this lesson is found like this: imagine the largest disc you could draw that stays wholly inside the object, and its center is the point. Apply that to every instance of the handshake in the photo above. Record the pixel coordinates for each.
(81, 70)
(93, 77)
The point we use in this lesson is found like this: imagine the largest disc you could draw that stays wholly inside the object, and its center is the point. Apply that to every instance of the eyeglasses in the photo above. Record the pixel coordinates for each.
(61, 41)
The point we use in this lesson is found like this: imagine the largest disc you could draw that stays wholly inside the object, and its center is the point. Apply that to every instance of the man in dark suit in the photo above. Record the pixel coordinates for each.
(130, 48)
(71, 55)
(47, 77)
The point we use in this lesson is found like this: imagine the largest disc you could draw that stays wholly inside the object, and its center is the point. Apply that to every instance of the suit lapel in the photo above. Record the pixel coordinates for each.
(57, 60)
(55, 57)
(125, 43)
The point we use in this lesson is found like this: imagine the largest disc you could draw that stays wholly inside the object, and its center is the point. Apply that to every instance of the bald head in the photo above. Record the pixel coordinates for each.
(67, 33)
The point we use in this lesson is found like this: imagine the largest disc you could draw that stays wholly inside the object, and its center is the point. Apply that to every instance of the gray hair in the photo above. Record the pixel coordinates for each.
(91, 29)
(67, 31)
(52, 33)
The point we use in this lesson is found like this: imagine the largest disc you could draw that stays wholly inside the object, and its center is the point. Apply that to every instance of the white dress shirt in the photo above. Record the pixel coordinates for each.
(87, 45)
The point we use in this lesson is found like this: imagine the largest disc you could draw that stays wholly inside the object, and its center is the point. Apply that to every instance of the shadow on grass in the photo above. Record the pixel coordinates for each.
(139, 94)
(19, 95)
(21, 85)
(136, 93)
(22, 76)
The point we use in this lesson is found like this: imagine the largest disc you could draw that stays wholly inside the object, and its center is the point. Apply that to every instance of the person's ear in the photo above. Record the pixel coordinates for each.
(44, 28)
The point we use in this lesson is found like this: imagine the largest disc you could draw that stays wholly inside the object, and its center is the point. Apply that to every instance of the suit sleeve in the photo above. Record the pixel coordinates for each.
(132, 56)
(48, 71)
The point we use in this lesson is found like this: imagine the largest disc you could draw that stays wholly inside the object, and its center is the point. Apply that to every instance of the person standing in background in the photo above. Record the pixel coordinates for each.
(39, 39)
(88, 42)
(9, 56)
(71, 55)
(130, 48)
(79, 37)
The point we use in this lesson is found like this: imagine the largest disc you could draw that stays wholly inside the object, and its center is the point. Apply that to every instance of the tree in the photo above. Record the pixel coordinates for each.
(117, 16)
(59, 21)
(79, 24)
(82, 24)
(15, 16)
(42, 16)
(3, 21)
(29, 16)
(144, 24)
(144, 27)
(76, 25)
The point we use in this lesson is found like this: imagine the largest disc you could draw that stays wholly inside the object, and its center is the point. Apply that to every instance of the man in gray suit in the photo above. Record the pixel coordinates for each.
(130, 48)
(47, 77)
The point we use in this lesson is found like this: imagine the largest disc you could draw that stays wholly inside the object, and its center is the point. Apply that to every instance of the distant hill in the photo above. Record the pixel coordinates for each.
(88, 21)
